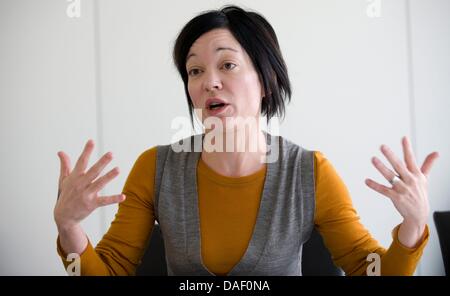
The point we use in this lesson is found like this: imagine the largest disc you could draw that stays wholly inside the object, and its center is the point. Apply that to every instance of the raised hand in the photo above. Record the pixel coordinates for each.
(409, 191)
(77, 190)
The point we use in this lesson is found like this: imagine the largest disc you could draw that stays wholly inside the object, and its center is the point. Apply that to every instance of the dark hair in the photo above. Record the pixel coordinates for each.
(257, 37)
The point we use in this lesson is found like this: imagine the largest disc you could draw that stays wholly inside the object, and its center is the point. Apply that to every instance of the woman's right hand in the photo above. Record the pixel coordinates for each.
(77, 190)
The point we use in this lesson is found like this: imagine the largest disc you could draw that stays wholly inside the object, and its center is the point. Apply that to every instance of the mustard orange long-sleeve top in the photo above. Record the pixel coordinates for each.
(228, 208)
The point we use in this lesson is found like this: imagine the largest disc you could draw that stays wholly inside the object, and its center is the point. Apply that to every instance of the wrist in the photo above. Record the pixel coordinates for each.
(410, 233)
(414, 223)
(65, 227)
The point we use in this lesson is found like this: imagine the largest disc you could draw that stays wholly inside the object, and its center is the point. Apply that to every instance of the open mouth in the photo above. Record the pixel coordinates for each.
(215, 106)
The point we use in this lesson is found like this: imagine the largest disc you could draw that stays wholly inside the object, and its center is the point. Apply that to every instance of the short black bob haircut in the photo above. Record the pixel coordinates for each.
(257, 37)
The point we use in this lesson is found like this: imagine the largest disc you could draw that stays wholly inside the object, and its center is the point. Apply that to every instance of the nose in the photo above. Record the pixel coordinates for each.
(212, 82)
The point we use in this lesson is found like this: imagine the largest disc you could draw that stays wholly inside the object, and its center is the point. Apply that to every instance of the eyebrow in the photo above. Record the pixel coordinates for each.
(217, 49)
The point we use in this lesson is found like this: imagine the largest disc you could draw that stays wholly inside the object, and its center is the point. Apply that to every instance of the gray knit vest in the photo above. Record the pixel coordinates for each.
(284, 221)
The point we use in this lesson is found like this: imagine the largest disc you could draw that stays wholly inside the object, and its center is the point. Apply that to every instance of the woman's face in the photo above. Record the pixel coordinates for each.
(220, 71)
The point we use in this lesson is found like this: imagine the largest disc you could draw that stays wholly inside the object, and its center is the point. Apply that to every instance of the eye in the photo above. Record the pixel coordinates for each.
(226, 66)
(193, 72)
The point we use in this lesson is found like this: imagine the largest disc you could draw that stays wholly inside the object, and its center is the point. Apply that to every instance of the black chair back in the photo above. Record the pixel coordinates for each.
(442, 222)
(316, 259)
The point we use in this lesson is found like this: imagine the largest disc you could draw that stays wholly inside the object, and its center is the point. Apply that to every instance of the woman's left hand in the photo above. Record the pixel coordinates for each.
(409, 191)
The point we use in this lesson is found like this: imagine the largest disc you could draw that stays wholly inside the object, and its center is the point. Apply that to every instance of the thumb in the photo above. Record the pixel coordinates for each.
(102, 201)
(428, 163)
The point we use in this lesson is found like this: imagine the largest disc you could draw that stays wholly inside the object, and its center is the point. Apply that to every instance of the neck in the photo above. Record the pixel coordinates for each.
(236, 153)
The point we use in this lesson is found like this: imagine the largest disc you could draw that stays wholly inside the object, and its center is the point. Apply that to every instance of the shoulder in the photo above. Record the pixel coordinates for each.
(329, 184)
(320, 159)
(148, 156)
(322, 166)
(145, 163)
(138, 185)
(324, 171)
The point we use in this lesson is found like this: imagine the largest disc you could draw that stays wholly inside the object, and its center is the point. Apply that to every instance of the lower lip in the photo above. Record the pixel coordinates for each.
(217, 111)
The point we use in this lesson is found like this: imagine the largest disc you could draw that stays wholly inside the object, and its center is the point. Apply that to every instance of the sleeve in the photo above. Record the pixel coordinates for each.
(348, 241)
(120, 250)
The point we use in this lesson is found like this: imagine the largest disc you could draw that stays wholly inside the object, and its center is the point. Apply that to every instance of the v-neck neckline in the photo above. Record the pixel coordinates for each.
(256, 246)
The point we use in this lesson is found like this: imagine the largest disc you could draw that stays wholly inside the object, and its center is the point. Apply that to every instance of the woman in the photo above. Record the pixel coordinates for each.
(228, 209)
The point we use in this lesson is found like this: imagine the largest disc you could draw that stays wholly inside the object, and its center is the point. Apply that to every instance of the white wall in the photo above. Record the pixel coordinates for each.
(48, 103)
(430, 45)
(358, 82)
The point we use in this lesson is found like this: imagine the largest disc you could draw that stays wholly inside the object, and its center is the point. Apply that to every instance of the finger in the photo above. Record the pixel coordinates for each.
(102, 181)
(83, 160)
(64, 170)
(384, 170)
(386, 191)
(409, 155)
(396, 163)
(96, 169)
(428, 163)
(399, 186)
(102, 201)
(64, 161)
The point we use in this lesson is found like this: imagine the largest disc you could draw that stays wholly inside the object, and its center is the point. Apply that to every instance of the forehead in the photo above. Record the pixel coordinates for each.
(213, 39)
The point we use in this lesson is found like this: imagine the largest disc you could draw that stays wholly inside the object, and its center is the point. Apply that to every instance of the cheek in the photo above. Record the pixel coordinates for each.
(253, 93)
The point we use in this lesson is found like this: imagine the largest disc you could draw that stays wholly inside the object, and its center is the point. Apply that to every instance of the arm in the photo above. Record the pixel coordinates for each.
(72, 239)
(121, 248)
(347, 239)
(409, 190)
